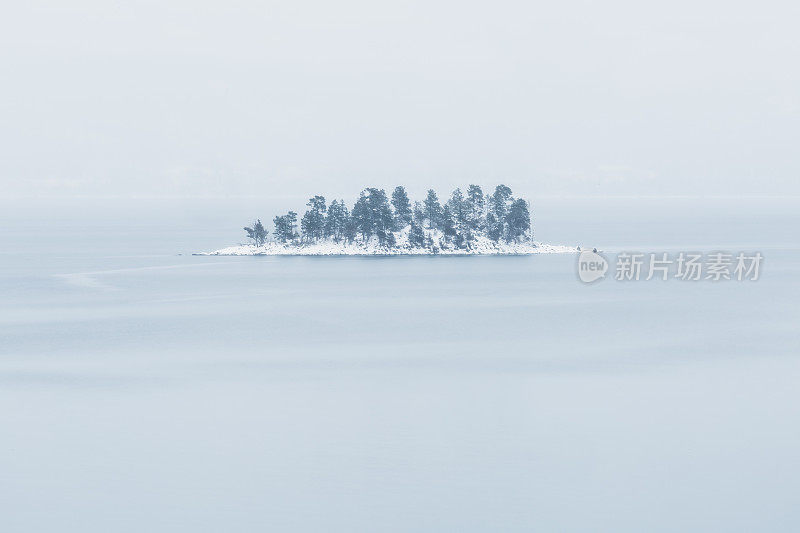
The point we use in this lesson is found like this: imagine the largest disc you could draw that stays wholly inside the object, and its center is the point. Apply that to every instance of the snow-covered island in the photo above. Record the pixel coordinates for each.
(471, 224)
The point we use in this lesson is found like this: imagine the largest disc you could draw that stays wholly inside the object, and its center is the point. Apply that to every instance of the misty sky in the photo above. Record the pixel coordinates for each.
(163, 98)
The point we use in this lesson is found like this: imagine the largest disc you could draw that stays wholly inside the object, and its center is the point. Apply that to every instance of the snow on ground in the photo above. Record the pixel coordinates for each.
(480, 246)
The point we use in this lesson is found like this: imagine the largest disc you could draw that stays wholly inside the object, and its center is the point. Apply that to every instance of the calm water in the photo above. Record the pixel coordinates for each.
(142, 390)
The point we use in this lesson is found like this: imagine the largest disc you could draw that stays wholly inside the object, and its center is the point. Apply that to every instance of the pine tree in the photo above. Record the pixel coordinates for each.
(429, 244)
(383, 218)
(307, 226)
(336, 221)
(518, 221)
(402, 208)
(362, 217)
(448, 223)
(313, 222)
(494, 228)
(460, 212)
(476, 207)
(419, 214)
(433, 210)
(373, 216)
(257, 233)
(389, 240)
(286, 227)
(500, 202)
(458, 208)
(280, 229)
(416, 236)
(350, 230)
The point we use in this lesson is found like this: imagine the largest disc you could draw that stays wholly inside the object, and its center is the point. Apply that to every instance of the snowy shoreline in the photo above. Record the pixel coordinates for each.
(480, 247)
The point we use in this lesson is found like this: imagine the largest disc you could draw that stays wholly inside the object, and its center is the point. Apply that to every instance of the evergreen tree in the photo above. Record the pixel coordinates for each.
(291, 224)
(518, 221)
(419, 214)
(500, 202)
(307, 226)
(286, 227)
(494, 228)
(382, 216)
(257, 233)
(460, 212)
(448, 223)
(336, 221)
(280, 229)
(350, 230)
(458, 208)
(389, 240)
(429, 244)
(362, 217)
(416, 236)
(313, 222)
(402, 207)
(475, 206)
(432, 209)
(373, 216)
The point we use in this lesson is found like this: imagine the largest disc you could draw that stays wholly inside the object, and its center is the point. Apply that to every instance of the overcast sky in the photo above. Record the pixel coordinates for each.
(298, 97)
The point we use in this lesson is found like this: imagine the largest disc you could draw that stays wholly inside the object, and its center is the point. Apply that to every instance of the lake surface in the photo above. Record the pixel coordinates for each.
(143, 390)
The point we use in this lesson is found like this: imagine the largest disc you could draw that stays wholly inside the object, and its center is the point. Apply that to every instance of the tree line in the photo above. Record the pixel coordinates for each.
(459, 220)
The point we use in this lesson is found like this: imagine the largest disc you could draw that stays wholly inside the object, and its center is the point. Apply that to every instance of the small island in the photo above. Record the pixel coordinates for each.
(466, 224)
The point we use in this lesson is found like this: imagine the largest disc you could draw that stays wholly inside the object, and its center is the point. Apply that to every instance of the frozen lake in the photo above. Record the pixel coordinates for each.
(142, 390)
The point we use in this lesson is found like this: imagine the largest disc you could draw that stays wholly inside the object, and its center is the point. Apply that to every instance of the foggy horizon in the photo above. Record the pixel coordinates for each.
(578, 99)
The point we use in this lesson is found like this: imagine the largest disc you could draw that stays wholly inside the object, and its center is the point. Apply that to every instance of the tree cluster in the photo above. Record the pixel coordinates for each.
(457, 222)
